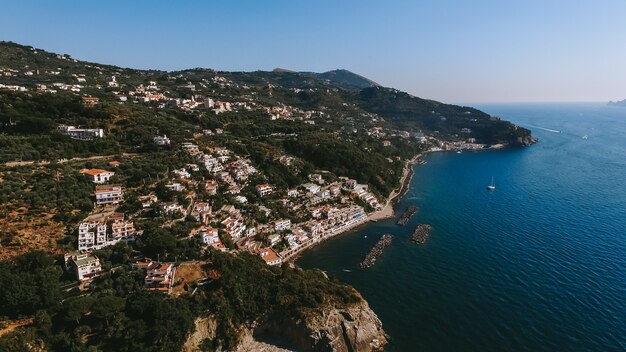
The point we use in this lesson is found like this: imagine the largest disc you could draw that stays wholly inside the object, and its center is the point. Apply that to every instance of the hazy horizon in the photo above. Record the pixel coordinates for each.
(451, 51)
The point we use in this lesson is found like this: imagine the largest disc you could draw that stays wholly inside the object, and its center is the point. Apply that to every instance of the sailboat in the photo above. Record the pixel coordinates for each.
(492, 186)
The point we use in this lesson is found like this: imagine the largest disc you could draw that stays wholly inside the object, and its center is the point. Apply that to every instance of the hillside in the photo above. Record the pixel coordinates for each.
(316, 106)
(167, 170)
(346, 79)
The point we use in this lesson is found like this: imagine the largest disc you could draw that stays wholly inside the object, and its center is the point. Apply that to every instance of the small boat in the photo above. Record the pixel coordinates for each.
(458, 152)
(492, 186)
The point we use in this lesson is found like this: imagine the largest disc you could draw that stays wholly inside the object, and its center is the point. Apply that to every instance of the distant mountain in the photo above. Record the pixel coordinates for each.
(410, 112)
(347, 79)
(282, 70)
(341, 78)
(618, 103)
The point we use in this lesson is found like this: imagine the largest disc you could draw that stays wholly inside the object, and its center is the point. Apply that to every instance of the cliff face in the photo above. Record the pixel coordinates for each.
(341, 329)
(356, 328)
(204, 328)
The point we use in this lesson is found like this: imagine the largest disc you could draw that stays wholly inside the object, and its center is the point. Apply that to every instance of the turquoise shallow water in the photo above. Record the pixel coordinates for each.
(537, 265)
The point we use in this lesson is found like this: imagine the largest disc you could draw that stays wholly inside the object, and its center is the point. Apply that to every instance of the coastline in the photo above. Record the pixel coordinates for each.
(386, 212)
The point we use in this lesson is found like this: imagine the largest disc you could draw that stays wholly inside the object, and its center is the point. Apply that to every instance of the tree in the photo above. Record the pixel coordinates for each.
(107, 307)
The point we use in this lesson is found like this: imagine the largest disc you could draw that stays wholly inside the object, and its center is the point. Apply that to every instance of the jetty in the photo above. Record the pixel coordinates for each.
(406, 216)
(376, 251)
(421, 233)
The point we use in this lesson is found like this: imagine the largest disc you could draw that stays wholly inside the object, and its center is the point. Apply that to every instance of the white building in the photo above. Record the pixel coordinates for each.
(234, 228)
(172, 207)
(86, 134)
(161, 140)
(86, 265)
(211, 238)
(92, 235)
(282, 224)
(112, 194)
(263, 189)
(175, 186)
(122, 230)
(311, 187)
(97, 175)
(113, 82)
(160, 277)
(190, 148)
(182, 173)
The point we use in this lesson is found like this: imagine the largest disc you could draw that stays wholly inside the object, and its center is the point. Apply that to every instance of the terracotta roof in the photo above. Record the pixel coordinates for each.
(164, 266)
(115, 216)
(143, 264)
(270, 256)
(93, 172)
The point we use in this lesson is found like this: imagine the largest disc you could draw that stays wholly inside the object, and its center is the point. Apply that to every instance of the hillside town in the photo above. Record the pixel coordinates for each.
(139, 205)
(253, 214)
(328, 208)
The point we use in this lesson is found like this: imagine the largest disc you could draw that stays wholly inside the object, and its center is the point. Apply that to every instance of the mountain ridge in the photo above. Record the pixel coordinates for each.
(621, 103)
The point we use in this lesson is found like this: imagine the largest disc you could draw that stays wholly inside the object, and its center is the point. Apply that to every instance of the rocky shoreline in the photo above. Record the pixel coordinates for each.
(376, 251)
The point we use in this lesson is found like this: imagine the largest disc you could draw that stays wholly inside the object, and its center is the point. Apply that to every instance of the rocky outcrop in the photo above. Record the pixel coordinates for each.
(352, 328)
(204, 329)
(526, 140)
(343, 329)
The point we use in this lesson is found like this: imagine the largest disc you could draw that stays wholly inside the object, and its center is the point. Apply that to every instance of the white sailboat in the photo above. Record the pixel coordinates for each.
(492, 186)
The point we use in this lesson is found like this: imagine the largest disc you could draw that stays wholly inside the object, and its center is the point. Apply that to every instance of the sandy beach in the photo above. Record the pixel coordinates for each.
(387, 211)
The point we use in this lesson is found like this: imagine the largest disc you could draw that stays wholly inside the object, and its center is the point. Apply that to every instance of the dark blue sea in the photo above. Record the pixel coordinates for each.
(539, 264)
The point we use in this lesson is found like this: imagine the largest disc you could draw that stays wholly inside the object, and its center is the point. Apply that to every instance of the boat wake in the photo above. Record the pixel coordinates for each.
(544, 129)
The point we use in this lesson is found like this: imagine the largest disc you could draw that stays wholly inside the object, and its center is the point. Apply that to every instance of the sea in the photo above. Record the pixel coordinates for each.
(538, 264)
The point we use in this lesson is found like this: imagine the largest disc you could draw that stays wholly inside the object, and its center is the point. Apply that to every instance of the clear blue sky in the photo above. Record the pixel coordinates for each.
(453, 51)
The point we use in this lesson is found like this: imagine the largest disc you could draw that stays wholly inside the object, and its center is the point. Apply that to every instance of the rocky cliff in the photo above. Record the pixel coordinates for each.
(342, 329)
(204, 329)
(331, 328)
(525, 140)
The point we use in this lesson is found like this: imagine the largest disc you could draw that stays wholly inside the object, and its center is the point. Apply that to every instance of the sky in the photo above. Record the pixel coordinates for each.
(453, 51)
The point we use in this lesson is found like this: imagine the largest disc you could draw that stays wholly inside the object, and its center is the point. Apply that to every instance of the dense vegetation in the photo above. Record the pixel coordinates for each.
(411, 112)
(117, 314)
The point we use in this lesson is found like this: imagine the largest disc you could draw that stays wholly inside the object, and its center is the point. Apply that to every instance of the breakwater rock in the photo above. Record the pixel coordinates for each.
(406, 216)
(421, 233)
(376, 251)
